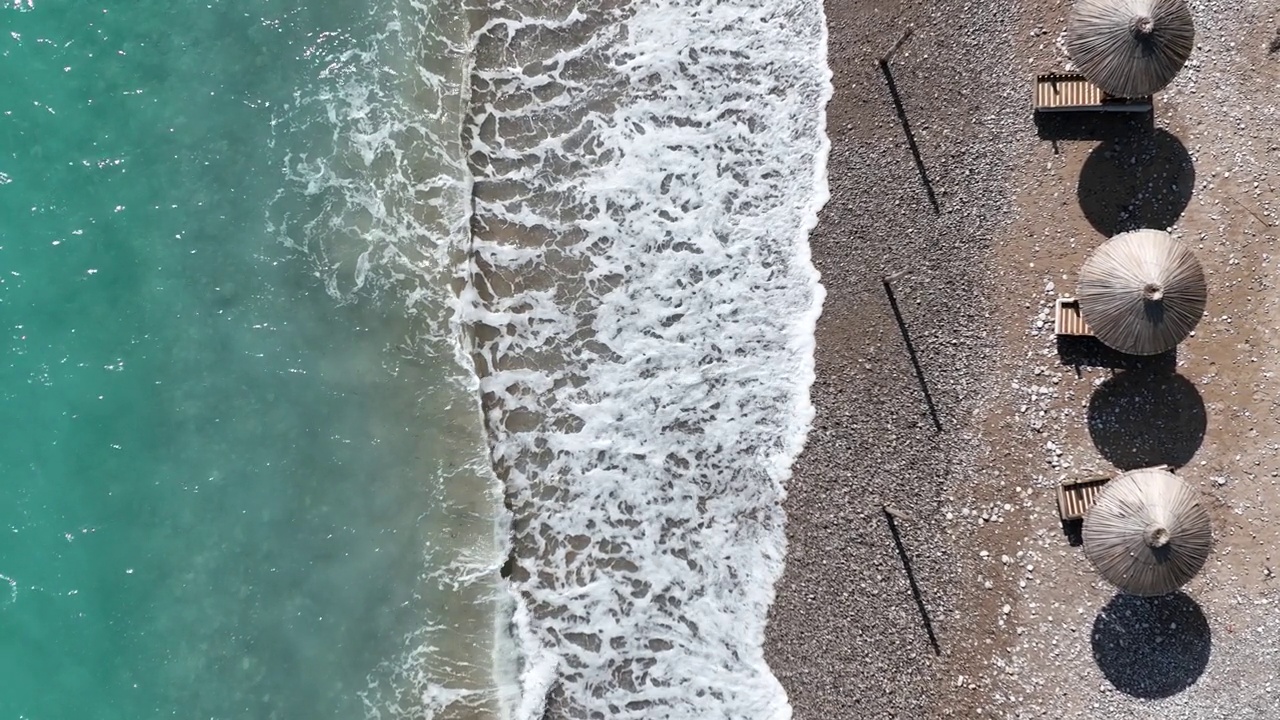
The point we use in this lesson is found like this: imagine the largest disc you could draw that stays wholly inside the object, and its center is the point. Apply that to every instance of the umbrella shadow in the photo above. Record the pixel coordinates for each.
(1152, 648)
(1087, 351)
(1139, 418)
(1137, 180)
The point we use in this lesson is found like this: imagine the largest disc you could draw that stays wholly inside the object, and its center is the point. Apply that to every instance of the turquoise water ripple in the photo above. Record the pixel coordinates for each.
(212, 496)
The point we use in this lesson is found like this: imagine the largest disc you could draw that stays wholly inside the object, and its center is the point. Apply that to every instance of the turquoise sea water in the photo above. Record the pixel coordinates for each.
(224, 493)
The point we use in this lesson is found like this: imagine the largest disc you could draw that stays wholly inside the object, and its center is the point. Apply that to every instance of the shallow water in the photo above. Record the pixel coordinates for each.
(243, 473)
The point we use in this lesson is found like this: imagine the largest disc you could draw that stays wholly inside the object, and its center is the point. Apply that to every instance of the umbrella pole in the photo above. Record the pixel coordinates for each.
(896, 514)
(884, 59)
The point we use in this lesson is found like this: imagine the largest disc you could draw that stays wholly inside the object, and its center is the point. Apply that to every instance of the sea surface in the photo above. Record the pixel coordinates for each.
(400, 358)
(242, 468)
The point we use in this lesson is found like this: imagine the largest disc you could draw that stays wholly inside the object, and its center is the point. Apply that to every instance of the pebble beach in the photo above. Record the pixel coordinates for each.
(941, 391)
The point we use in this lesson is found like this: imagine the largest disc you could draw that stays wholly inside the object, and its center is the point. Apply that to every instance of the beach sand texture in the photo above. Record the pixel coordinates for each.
(1024, 627)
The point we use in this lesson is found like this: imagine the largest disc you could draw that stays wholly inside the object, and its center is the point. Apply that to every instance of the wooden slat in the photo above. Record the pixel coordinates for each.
(1071, 91)
(1058, 91)
(1067, 319)
(1075, 498)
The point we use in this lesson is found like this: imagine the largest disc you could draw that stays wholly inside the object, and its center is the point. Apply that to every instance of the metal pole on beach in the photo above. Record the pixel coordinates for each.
(884, 60)
(896, 514)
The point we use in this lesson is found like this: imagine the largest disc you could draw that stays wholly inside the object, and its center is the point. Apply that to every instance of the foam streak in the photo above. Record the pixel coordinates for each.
(641, 293)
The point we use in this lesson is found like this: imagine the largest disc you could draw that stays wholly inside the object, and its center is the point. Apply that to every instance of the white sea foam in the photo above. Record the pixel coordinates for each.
(645, 179)
(377, 203)
(13, 588)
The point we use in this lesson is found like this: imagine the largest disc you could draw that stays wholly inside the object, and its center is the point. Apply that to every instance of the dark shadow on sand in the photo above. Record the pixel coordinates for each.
(1152, 647)
(911, 580)
(911, 137)
(1056, 126)
(1085, 351)
(1074, 532)
(911, 353)
(1141, 418)
(1136, 180)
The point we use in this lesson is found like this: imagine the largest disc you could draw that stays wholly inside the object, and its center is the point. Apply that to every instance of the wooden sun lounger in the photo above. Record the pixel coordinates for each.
(1067, 319)
(1075, 497)
(1071, 92)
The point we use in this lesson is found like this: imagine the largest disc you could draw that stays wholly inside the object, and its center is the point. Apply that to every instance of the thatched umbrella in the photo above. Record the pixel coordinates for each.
(1130, 48)
(1142, 292)
(1147, 533)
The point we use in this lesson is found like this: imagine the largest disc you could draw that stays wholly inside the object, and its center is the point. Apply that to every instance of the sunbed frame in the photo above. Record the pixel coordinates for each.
(1067, 319)
(1075, 497)
(1071, 92)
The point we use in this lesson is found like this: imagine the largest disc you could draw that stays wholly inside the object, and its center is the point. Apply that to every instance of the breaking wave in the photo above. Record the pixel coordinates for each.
(643, 307)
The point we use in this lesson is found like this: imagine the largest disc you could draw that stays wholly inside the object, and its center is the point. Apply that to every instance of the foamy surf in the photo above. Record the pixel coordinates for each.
(643, 304)
(609, 221)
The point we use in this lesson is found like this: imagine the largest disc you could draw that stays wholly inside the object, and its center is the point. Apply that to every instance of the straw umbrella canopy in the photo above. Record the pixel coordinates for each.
(1130, 48)
(1147, 533)
(1142, 292)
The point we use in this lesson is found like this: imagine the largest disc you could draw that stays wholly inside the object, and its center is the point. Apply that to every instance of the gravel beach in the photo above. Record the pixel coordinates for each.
(941, 392)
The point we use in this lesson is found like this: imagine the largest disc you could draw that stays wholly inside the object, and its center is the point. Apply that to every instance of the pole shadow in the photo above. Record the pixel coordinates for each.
(911, 580)
(1137, 180)
(911, 138)
(915, 360)
(1139, 419)
(1152, 648)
